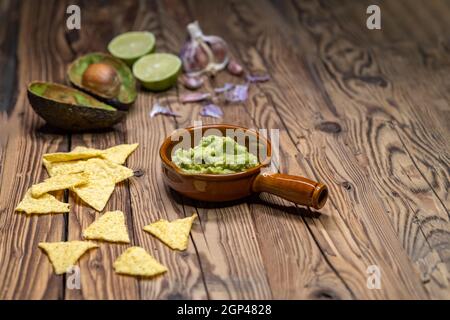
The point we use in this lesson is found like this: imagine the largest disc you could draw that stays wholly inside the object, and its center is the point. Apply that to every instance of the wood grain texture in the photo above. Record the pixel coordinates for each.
(226, 245)
(356, 101)
(25, 271)
(364, 111)
(270, 44)
(290, 277)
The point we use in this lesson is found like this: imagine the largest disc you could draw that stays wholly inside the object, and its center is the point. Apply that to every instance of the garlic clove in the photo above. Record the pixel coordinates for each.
(235, 68)
(191, 82)
(203, 54)
(218, 47)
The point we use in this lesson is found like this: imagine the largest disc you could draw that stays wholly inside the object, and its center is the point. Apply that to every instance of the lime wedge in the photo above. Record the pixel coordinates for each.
(130, 46)
(157, 71)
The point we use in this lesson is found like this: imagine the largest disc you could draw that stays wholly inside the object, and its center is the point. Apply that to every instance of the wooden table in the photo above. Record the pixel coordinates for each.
(365, 111)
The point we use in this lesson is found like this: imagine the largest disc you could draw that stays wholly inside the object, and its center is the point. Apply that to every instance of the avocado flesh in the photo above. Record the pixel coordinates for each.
(127, 93)
(66, 95)
(70, 109)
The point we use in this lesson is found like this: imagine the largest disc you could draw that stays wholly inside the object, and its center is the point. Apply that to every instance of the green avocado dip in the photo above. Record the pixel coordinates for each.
(215, 155)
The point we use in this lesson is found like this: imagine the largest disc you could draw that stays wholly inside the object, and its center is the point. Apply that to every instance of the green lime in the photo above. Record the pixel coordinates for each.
(157, 71)
(130, 46)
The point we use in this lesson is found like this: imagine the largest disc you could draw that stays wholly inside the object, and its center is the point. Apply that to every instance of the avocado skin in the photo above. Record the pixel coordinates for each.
(102, 57)
(70, 117)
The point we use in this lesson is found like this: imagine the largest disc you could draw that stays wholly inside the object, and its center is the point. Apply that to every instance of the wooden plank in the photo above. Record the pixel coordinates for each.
(98, 279)
(425, 115)
(9, 17)
(296, 273)
(150, 198)
(344, 104)
(288, 74)
(422, 177)
(413, 103)
(25, 270)
(423, 23)
(229, 257)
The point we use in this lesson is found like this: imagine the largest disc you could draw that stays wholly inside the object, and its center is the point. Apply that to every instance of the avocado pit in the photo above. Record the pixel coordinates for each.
(101, 78)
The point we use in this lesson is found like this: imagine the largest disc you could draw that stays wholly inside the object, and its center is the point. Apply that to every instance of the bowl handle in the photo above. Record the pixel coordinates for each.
(299, 190)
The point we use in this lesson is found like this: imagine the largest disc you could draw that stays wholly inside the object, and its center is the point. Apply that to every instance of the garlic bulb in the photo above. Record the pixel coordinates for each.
(203, 53)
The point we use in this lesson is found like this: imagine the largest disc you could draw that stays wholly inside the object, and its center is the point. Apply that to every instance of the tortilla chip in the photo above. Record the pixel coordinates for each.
(117, 154)
(59, 182)
(64, 255)
(109, 227)
(120, 153)
(103, 176)
(135, 261)
(72, 155)
(116, 171)
(65, 167)
(100, 186)
(42, 205)
(57, 168)
(175, 233)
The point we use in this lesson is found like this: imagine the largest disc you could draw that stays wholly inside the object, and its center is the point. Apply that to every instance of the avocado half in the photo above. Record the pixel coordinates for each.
(71, 109)
(127, 93)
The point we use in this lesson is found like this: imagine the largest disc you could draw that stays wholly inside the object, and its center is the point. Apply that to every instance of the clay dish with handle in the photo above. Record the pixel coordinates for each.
(228, 187)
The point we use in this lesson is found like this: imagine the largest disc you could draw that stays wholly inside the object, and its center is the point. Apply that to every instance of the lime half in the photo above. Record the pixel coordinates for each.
(157, 71)
(130, 46)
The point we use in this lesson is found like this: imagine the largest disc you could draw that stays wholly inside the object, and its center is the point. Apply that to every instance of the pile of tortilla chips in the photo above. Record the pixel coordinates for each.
(90, 173)
(110, 227)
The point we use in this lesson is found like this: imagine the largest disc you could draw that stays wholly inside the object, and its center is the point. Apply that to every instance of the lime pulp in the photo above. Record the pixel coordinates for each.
(157, 71)
(130, 46)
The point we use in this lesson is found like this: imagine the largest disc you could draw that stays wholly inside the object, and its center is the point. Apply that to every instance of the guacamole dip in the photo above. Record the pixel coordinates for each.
(215, 155)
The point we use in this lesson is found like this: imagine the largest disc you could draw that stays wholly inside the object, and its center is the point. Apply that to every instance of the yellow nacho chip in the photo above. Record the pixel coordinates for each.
(175, 233)
(100, 186)
(109, 227)
(120, 153)
(135, 261)
(103, 175)
(72, 155)
(117, 154)
(59, 182)
(117, 172)
(64, 167)
(64, 255)
(42, 205)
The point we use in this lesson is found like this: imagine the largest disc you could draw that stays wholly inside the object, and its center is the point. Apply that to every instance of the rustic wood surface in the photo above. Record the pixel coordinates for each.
(366, 112)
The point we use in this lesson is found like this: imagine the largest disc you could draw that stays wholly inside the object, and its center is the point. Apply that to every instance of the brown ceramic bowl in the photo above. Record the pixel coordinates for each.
(227, 187)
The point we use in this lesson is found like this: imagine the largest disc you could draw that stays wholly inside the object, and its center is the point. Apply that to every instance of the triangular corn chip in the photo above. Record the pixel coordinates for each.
(103, 176)
(73, 155)
(59, 182)
(42, 205)
(135, 261)
(109, 227)
(120, 153)
(175, 233)
(64, 167)
(64, 255)
(100, 186)
(119, 172)
(117, 154)
(116, 171)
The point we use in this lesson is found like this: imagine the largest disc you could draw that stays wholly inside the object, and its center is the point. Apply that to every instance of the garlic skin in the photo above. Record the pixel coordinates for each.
(203, 53)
